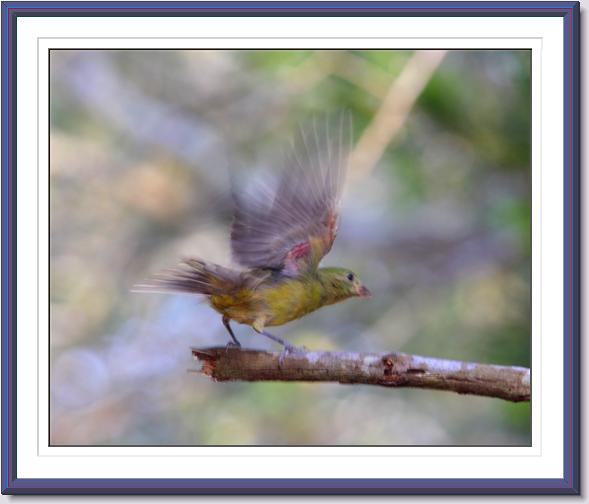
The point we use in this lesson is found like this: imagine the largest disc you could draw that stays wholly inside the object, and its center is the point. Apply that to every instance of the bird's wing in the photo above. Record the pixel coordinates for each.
(292, 226)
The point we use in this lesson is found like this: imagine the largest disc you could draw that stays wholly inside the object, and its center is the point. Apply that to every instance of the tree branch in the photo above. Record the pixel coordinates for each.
(394, 110)
(386, 369)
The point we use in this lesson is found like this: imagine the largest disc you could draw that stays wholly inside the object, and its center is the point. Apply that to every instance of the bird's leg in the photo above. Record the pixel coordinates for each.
(258, 326)
(286, 344)
(235, 341)
(288, 347)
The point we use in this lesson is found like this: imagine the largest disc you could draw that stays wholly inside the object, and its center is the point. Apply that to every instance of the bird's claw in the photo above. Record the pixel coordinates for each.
(287, 350)
(232, 345)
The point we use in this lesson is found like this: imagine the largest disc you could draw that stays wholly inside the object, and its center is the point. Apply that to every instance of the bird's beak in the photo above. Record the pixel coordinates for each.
(363, 292)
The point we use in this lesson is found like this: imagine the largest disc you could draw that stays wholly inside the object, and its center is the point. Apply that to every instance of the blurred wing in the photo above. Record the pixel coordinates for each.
(292, 226)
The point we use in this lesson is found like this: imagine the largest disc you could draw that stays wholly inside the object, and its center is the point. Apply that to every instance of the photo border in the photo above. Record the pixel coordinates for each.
(218, 445)
(569, 484)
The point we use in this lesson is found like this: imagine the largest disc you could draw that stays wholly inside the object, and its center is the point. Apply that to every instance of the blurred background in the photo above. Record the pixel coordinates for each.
(435, 220)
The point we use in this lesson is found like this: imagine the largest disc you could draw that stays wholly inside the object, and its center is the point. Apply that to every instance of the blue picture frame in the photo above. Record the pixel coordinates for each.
(569, 484)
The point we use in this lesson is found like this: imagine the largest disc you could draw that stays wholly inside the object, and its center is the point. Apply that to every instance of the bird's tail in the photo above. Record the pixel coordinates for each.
(193, 276)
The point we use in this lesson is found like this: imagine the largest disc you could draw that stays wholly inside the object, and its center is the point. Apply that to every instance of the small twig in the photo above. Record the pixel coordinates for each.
(387, 369)
(393, 111)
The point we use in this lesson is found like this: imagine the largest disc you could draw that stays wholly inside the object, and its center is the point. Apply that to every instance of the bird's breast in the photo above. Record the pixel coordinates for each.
(291, 299)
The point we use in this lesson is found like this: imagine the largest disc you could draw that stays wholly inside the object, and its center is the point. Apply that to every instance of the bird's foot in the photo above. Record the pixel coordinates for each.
(287, 350)
(234, 345)
(287, 347)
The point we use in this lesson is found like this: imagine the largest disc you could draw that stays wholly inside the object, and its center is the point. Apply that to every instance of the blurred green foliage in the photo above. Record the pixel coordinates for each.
(143, 147)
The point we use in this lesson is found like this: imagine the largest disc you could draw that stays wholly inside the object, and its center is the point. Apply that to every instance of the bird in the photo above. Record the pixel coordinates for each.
(279, 235)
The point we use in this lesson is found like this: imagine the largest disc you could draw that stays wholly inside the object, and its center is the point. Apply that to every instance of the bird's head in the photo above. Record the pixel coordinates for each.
(341, 283)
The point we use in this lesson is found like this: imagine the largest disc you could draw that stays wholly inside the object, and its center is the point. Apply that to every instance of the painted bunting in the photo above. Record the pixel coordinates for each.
(279, 236)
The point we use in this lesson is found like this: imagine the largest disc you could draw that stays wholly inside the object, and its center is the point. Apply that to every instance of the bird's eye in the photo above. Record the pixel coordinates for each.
(350, 277)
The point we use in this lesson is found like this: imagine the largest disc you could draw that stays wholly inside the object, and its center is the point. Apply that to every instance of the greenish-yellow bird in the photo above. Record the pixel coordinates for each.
(279, 236)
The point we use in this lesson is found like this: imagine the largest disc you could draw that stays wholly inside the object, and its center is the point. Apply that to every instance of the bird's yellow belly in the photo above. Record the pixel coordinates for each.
(239, 307)
(270, 305)
(290, 301)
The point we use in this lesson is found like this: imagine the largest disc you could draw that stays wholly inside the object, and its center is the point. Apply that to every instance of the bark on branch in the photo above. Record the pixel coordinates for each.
(392, 369)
